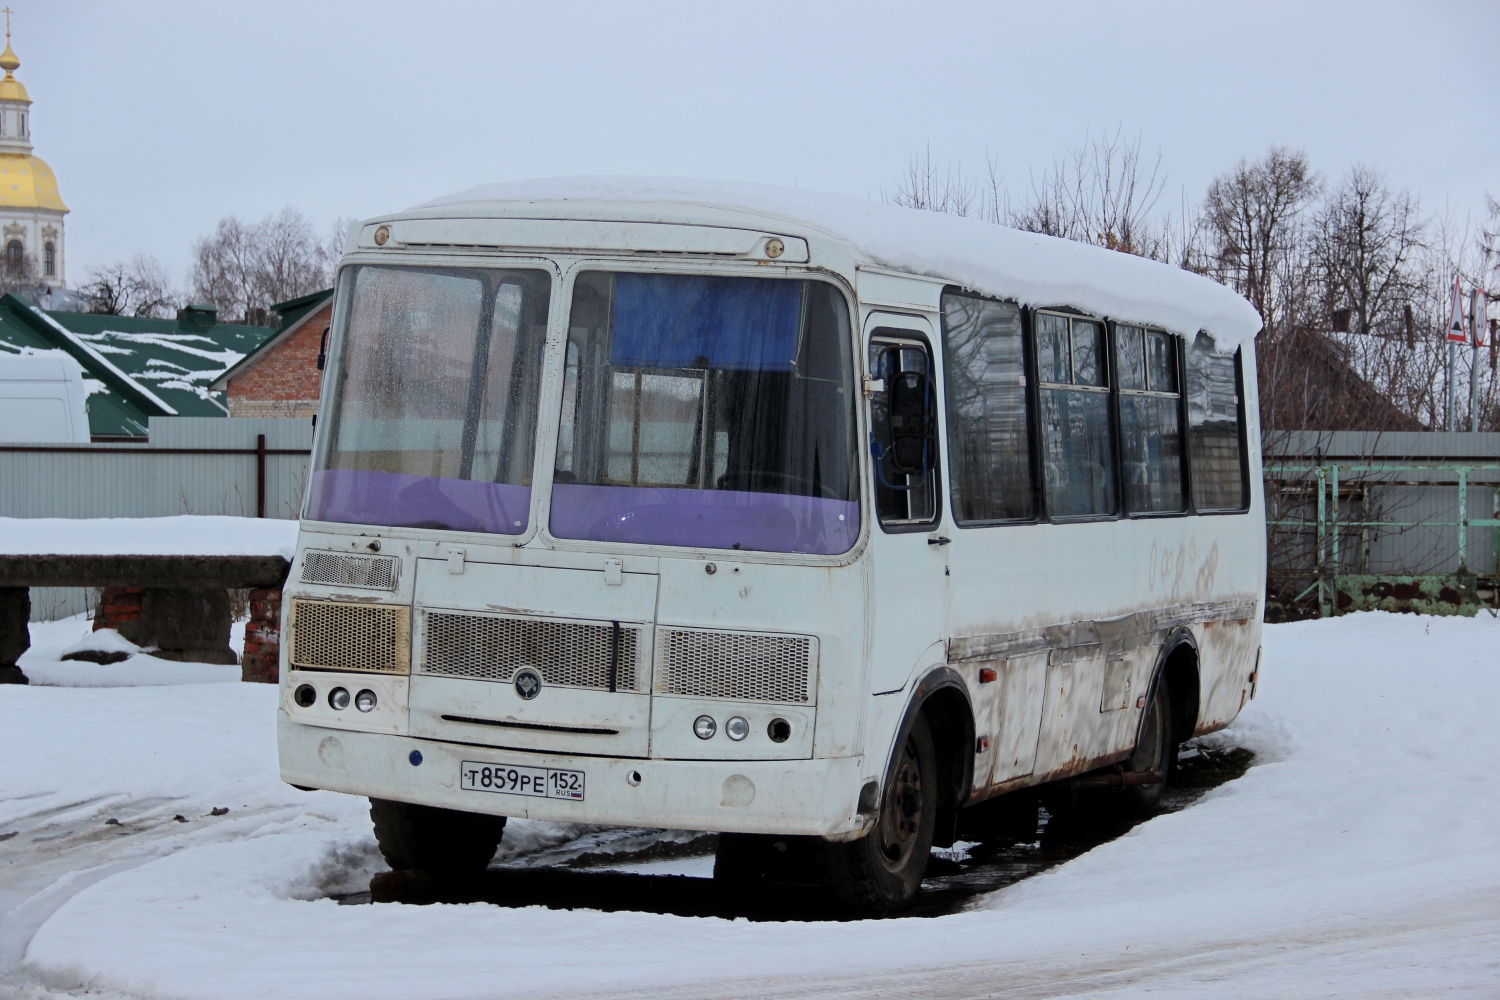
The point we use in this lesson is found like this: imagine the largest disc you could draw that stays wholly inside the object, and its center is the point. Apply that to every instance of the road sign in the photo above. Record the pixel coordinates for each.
(1479, 321)
(1456, 332)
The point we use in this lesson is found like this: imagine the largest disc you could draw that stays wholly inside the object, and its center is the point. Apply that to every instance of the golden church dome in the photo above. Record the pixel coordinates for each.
(27, 182)
(11, 89)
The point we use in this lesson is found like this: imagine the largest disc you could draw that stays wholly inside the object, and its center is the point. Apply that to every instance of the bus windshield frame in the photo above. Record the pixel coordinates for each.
(721, 413)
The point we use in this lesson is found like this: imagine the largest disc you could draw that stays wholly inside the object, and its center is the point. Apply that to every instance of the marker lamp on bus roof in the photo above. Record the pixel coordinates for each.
(737, 728)
(704, 727)
(365, 700)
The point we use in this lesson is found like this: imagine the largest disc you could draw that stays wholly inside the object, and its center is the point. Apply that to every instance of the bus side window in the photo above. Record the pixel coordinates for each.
(1150, 420)
(903, 436)
(1077, 443)
(1218, 454)
(989, 420)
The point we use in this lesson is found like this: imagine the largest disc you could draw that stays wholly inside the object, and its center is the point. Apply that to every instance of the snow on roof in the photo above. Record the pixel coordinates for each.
(1032, 269)
(98, 357)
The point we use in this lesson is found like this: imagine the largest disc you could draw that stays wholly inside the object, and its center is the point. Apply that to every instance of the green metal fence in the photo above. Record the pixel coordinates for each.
(1461, 592)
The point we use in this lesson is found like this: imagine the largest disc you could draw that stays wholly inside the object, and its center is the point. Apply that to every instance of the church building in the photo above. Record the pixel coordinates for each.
(31, 210)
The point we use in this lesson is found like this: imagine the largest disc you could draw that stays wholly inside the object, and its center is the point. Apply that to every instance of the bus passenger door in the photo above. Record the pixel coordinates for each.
(908, 623)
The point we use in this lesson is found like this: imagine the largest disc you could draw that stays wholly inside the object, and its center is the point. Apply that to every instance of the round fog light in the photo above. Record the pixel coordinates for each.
(305, 696)
(737, 728)
(779, 730)
(365, 700)
(704, 727)
(338, 699)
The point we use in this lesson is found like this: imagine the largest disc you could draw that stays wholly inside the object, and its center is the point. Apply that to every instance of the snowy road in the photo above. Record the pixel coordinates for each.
(1360, 856)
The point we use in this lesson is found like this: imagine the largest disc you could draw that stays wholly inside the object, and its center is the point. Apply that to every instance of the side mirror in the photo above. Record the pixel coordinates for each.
(911, 424)
(323, 351)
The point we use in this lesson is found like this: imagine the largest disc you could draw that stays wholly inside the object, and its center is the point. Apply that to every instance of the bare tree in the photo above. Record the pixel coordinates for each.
(21, 278)
(1364, 241)
(1254, 219)
(137, 288)
(1102, 192)
(289, 257)
(332, 248)
(948, 191)
(224, 269)
(244, 268)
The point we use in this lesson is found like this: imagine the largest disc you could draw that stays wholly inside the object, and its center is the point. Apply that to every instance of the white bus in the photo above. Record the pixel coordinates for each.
(750, 510)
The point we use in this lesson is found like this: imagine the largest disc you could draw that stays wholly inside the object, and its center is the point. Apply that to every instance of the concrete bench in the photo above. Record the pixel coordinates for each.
(170, 595)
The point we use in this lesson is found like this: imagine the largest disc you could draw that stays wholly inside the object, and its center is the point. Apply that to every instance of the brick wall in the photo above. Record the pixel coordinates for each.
(262, 658)
(286, 381)
(118, 606)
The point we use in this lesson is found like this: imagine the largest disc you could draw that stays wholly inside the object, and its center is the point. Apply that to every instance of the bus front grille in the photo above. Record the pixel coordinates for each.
(332, 635)
(565, 653)
(339, 570)
(739, 665)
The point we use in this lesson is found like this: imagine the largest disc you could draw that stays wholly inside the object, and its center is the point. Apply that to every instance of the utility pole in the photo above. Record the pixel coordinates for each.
(1456, 335)
(1478, 322)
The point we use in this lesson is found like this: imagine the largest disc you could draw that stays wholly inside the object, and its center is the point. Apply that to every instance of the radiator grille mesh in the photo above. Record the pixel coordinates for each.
(338, 636)
(734, 665)
(337, 569)
(569, 654)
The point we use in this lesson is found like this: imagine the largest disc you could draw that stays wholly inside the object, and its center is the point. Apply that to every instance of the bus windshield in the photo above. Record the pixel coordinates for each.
(432, 420)
(715, 412)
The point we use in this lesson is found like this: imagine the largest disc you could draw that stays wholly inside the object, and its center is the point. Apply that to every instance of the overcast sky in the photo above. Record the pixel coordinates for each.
(160, 118)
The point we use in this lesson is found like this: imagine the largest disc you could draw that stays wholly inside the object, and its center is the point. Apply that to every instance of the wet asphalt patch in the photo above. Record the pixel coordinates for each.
(955, 876)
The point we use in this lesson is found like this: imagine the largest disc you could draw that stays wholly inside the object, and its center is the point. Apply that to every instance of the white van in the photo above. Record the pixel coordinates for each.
(763, 512)
(42, 399)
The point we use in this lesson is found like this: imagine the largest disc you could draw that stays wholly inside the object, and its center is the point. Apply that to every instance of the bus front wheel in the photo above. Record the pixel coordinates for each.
(445, 843)
(882, 871)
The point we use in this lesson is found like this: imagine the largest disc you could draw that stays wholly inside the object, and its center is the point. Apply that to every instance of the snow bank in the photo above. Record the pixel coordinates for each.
(183, 535)
(1030, 268)
(1370, 818)
(43, 663)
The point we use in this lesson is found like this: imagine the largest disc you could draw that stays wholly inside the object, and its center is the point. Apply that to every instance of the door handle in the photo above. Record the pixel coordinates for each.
(939, 540)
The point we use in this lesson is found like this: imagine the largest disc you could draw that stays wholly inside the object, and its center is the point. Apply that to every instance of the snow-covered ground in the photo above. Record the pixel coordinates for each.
(1360, 856)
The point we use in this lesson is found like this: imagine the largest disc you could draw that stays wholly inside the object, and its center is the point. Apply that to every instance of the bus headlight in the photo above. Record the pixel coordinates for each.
(737, 728)
(704, 727)
(338, 699)
(365, 700)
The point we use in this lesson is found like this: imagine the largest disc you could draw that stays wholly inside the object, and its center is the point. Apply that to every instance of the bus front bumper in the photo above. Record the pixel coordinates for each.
(817, 797)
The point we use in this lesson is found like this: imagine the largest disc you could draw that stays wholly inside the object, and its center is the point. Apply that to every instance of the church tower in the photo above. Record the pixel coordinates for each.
(31, 210)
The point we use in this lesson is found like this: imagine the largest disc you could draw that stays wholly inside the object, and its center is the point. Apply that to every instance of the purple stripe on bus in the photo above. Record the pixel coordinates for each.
(403, 500)
(709, 519)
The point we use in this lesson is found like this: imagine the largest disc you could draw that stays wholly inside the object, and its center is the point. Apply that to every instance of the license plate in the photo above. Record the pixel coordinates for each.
(515, 779)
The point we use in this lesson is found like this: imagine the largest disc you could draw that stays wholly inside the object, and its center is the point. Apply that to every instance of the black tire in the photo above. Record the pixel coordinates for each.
(444, 843)
(882, 871)
(1155, 750)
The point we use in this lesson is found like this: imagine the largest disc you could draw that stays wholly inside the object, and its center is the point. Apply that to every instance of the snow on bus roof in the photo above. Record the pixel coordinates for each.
(1030, 268)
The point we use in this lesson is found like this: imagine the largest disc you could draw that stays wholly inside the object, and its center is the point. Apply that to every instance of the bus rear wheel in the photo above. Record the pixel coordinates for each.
(882, 871)
(1155, 750)
(445, 843)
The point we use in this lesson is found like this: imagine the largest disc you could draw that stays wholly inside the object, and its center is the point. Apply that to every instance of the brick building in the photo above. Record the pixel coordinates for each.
(280, 378)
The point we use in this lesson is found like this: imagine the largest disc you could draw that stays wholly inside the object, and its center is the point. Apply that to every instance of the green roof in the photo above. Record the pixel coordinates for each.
(293, 310)
(134, 367)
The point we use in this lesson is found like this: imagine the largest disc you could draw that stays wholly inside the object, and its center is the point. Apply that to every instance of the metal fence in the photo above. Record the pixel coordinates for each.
(1402, 522)
(248, 467)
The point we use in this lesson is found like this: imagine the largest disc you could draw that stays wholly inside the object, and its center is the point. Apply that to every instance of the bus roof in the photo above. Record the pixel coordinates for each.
(1030, 268)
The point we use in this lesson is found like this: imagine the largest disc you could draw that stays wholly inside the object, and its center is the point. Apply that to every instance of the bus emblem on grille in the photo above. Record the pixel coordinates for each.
(528, 684)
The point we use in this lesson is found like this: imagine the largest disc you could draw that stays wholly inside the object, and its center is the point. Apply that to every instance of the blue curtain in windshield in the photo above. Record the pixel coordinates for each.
(690, 321)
